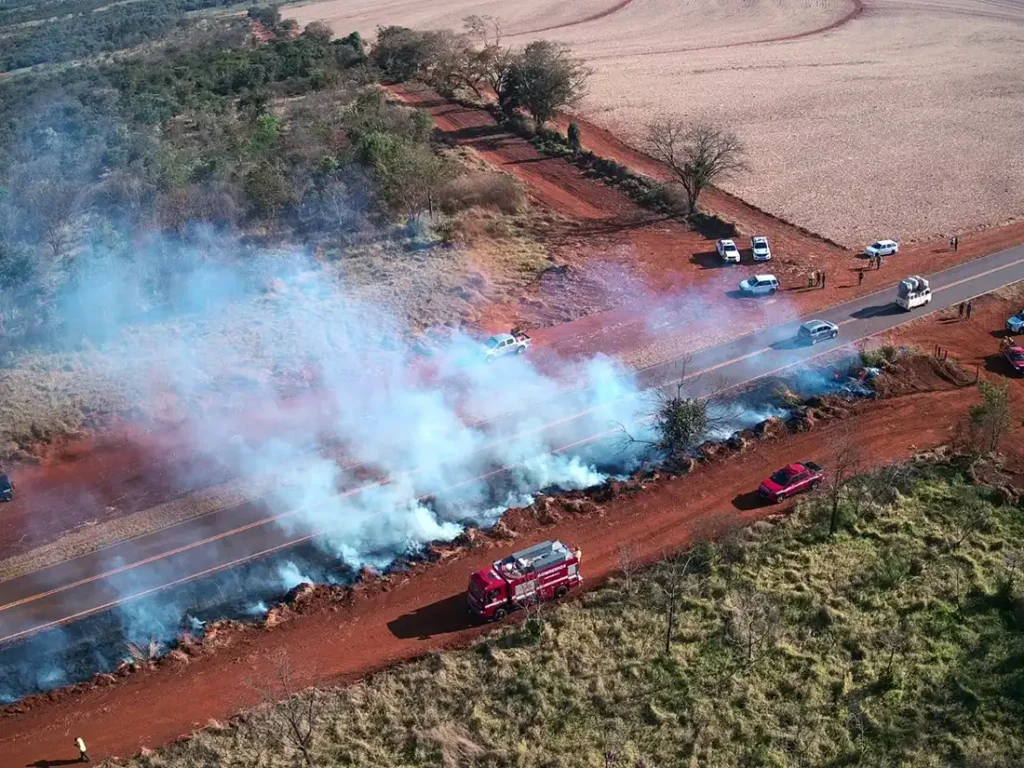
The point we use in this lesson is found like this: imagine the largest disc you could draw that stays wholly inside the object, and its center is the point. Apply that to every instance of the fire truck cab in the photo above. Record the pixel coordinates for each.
(541, 572)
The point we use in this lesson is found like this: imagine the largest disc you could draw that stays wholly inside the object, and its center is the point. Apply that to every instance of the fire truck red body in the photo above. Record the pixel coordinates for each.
(541, 572)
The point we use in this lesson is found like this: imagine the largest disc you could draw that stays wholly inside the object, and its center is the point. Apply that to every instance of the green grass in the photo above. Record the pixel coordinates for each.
(897, 643)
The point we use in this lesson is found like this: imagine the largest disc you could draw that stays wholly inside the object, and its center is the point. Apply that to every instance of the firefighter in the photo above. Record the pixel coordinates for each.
(83, 756)
(577, 554)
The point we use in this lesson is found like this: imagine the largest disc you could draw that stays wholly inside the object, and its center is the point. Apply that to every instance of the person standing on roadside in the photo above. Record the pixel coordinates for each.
(83, 756)
(962, 309)
(860, 277)
(970, 308)
(823, 280)
(956, 244)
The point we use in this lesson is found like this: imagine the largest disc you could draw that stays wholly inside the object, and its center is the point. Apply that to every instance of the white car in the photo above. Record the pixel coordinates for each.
(759, 248)
(883, 248)
(760, 285)
(728, 251)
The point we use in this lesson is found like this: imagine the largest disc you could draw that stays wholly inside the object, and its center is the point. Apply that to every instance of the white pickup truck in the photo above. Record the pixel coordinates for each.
(501, 344)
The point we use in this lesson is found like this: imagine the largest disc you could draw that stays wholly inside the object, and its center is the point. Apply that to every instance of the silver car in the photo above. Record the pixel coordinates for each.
(814, 331)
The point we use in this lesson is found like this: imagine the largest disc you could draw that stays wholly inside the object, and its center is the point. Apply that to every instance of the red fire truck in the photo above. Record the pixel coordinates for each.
(540, 572)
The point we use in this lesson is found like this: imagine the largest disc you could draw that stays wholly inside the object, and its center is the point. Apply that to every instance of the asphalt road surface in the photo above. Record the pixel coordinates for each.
(223, 539)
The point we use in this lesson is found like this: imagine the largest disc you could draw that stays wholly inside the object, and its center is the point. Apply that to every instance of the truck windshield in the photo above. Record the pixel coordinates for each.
(492, 342)
(781, 477)
(476, 588)
(1016, 356)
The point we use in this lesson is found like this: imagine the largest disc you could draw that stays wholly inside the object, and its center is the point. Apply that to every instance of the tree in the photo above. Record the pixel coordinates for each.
(845, 465)
(267, 15)
(486, 29)
(753, 622)
(292, 723)
(680, 422)
(404, 54)
(318, 32)
(573, 136)
(408, 173)
(673, 585)
(699, 155)
(991, 418)
(542, 79)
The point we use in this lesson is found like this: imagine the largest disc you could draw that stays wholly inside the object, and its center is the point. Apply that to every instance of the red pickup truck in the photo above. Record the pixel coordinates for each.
(1013, 353)
(791, 480)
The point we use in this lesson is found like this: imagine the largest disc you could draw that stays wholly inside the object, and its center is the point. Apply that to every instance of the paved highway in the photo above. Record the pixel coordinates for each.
(228, 537)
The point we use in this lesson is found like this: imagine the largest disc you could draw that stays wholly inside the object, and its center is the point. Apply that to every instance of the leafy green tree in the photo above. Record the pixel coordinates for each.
(403, 54)
(543, 79)
(267, 15)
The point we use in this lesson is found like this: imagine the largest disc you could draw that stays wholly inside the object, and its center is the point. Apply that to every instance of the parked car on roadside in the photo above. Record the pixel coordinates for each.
(728, 251)
(1013, 353)
(791, 480)
(1015, 324)
(814, 331)
(760, 285)
(759, 248)
(882, 248)
(6, 488)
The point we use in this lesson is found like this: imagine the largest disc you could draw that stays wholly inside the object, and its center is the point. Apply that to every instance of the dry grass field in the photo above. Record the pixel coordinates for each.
(905, 120)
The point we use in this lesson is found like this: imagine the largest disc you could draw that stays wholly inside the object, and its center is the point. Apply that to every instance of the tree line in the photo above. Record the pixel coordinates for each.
(540, 80)
(89, 32)
(291, 137)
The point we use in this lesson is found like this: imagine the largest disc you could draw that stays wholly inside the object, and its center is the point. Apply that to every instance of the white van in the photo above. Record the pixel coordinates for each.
(913, 292)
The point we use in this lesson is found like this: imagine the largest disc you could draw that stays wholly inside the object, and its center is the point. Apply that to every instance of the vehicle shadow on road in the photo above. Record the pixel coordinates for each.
(787, 344)
(52, 763)
(879, 310)
(748, 501)
(440, 618)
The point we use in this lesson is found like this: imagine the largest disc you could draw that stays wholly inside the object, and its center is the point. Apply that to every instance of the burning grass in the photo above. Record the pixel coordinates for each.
(788, 648)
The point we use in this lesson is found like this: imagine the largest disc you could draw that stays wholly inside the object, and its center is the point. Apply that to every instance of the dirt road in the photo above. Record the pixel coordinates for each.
(426, 612)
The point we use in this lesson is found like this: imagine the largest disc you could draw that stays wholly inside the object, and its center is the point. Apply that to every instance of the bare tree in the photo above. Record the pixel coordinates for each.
(971, 517)
(629, 564)
(699, 155)
(845, 465)
(753, 622)
(674, 584)
(289, 718)
(486, 29)
(895, 641)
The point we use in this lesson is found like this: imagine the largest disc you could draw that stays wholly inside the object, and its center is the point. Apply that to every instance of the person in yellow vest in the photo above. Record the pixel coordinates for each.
(83, 756)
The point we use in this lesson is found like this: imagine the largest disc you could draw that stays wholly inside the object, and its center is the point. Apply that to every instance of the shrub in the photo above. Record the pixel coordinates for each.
(483, 190)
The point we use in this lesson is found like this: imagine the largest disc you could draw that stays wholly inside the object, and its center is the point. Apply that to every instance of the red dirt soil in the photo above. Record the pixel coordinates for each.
(408, 616)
